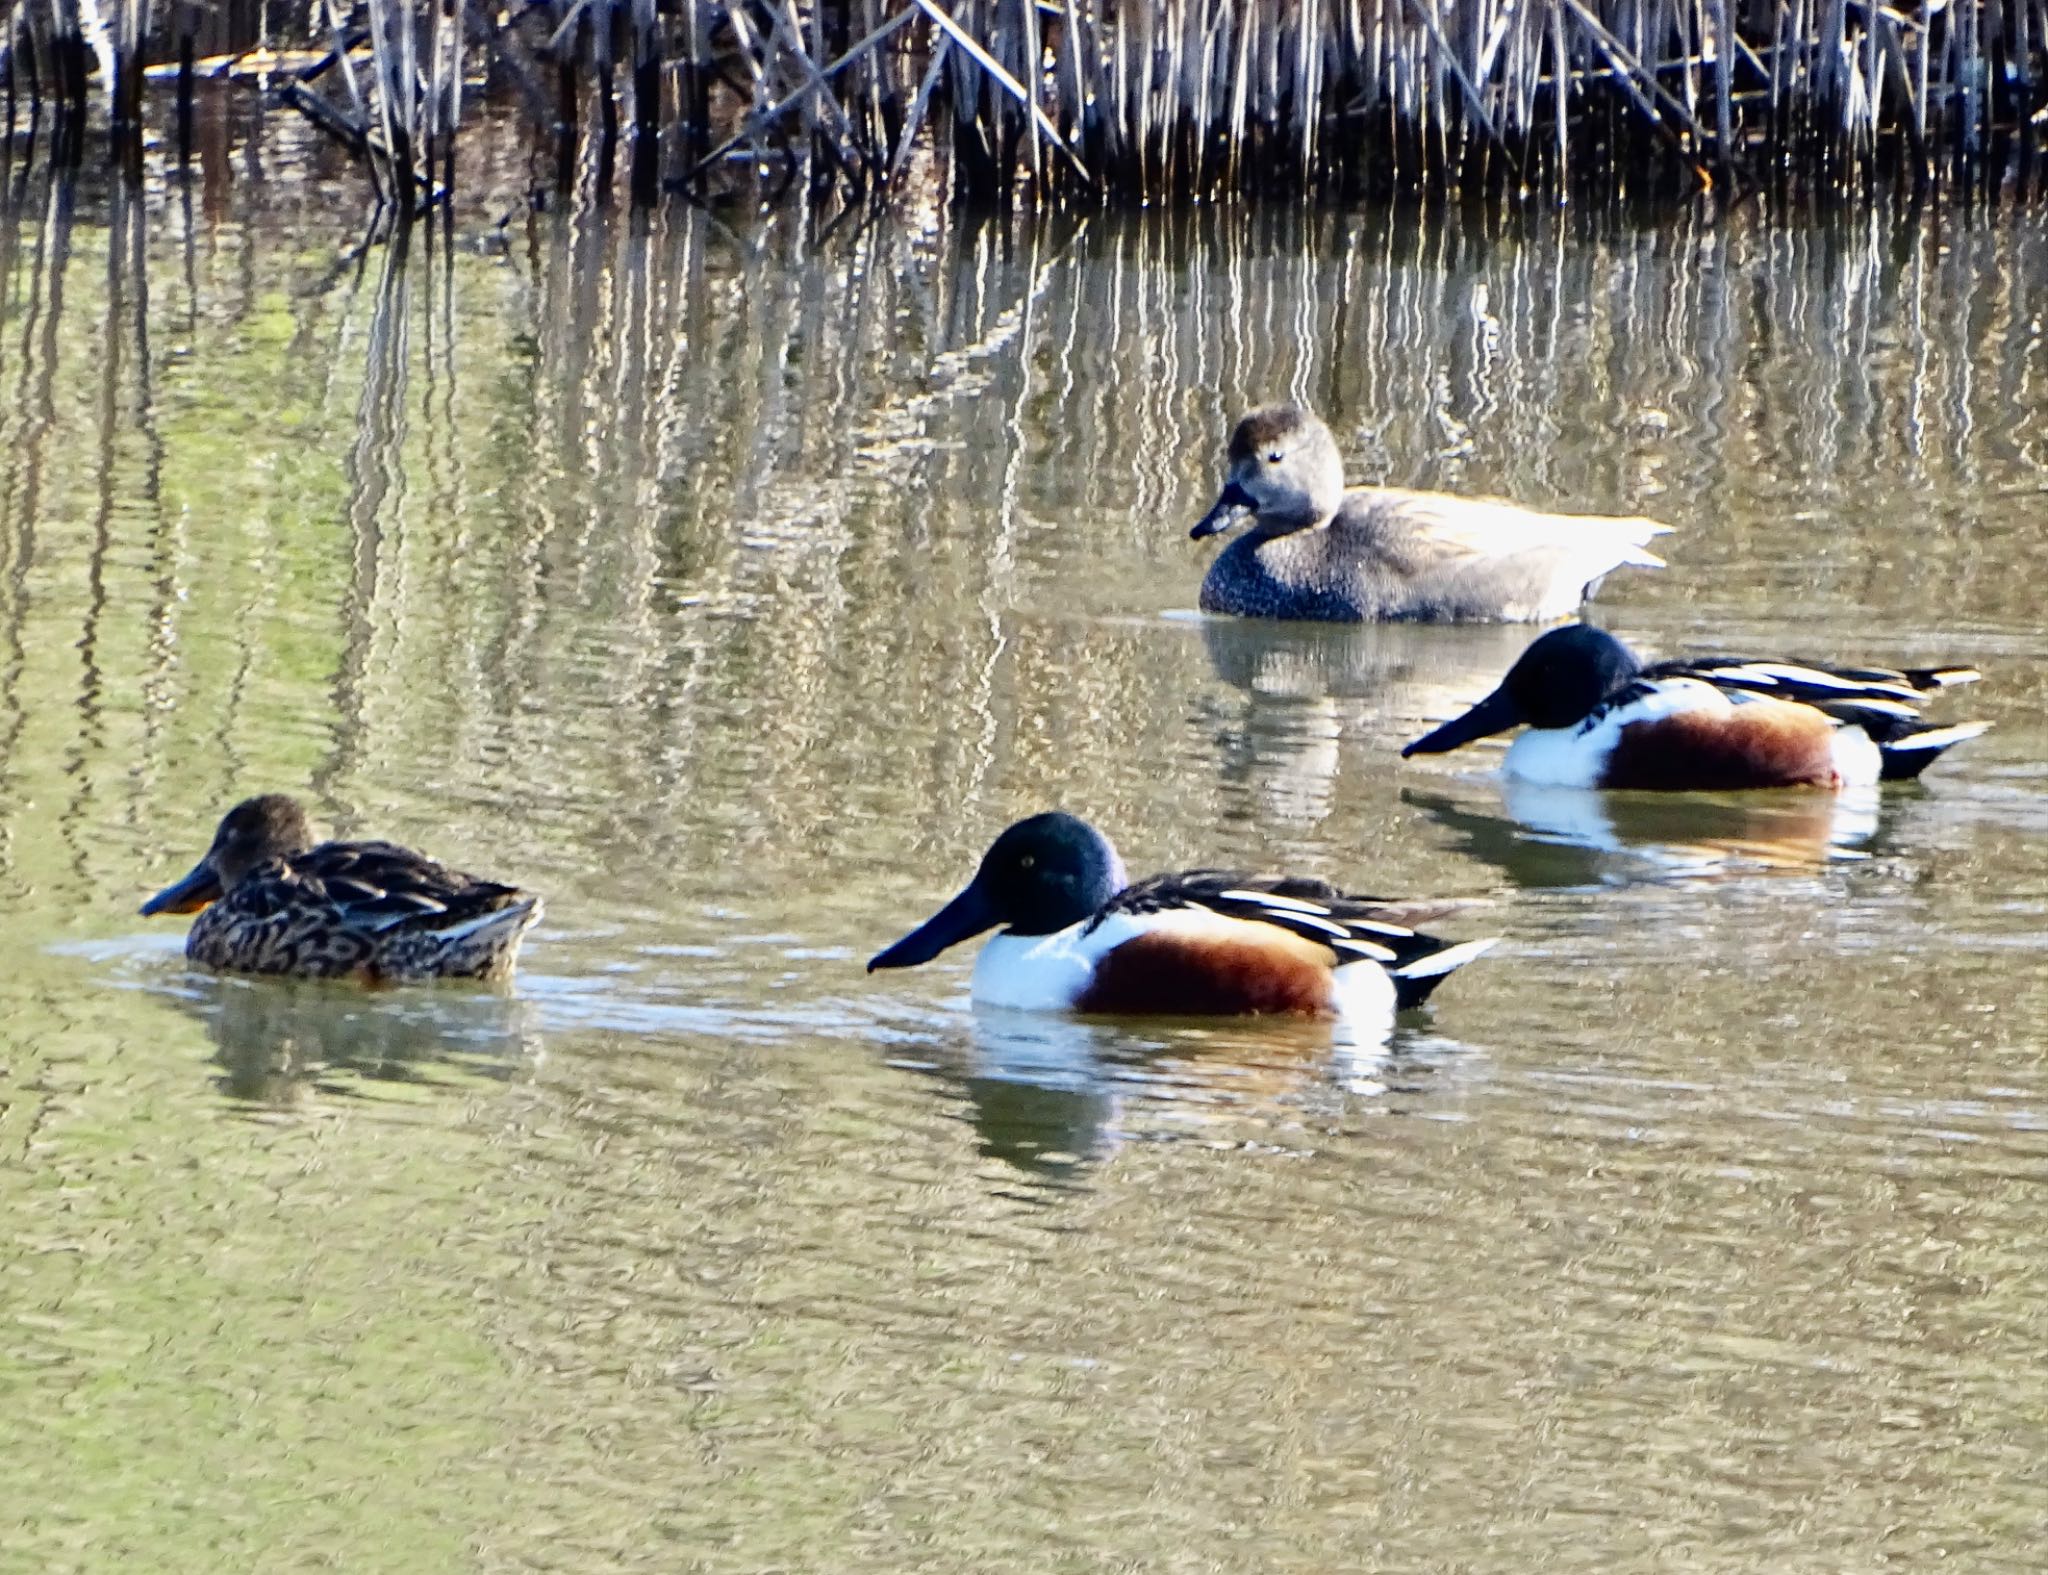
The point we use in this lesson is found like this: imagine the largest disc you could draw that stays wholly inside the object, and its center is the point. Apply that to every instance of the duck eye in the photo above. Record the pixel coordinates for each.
(1274, 457)
(1028, 861)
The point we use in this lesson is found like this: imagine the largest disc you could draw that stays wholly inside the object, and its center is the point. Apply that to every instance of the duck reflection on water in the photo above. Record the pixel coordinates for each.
(277, 1042)
(1041, 1092)
(1053, 1096)
(1306, 685)
(1407, 670)
(1546, 836)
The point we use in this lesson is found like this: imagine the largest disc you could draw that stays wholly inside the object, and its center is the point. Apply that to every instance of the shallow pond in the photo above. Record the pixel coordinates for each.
(732, 585)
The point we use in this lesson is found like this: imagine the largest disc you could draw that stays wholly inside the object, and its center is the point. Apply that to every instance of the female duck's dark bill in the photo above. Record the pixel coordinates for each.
(1232, 501)
(189, 895)
(965, 917)
(1495, 714)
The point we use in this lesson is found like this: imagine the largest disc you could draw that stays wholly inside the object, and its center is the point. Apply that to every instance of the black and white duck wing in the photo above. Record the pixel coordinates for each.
(1882, 690)
(1349, 927)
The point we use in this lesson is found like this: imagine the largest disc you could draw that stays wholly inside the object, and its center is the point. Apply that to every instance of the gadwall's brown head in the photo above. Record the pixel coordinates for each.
(1285, 474)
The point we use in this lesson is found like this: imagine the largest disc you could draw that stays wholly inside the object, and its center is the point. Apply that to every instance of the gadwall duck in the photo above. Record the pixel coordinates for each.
(1317, 549)
(1598, 717)
(272, 901)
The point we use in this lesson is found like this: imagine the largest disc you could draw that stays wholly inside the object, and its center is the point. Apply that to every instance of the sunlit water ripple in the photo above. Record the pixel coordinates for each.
(732, 589)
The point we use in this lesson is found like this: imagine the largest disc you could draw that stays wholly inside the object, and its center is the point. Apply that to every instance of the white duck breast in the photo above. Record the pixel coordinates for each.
(1037, 973)
(1576, 756)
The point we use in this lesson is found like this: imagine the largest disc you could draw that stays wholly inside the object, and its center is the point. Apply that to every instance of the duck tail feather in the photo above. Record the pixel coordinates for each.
(1905, 757)
(514, 915)
(1413, 981)
(1941, 677)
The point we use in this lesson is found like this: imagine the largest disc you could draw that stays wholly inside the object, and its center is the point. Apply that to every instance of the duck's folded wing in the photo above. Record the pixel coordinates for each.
(380, 886)
(1881, 691)
(1450, 528)
(1347, 927)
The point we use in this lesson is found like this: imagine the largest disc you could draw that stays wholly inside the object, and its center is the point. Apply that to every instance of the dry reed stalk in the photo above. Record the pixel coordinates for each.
(647, 78)
(1154, 99)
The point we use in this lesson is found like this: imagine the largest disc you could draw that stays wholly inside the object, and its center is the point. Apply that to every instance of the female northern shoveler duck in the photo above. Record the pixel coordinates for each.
(1372, 554)
(274, 902)
(1079, 938)
(1598, 717)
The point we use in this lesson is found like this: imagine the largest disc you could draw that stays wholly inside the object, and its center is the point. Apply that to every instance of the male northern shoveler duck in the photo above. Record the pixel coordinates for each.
(275, 902)
(1078, 937)
(1318, 550)
(1598, 717)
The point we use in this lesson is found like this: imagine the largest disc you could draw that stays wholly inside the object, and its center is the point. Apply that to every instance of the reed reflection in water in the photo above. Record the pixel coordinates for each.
(731, 587)
(670, 431)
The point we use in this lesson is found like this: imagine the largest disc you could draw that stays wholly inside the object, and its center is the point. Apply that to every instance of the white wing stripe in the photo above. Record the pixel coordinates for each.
(1935, 738)
(1898, 708)
(1773, 673)
(1289, 919)
(1446, 960)
(1267, 899)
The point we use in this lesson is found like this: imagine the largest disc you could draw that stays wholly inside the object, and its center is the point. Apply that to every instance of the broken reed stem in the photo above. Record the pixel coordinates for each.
(1065, 100)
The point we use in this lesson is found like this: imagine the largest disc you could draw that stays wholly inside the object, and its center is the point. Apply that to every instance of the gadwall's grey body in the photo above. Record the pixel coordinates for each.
(1316, 549)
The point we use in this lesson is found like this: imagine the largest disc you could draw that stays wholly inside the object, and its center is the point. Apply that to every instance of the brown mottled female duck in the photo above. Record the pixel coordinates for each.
(272, 901)
(1316, 549)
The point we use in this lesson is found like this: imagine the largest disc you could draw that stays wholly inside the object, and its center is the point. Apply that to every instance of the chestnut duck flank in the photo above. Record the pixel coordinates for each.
(1078, 937)
(271, 900)
(1597, 716)
(1315, 549)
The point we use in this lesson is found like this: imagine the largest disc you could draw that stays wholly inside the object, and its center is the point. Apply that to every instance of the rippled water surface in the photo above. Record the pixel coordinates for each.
(732, 585)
